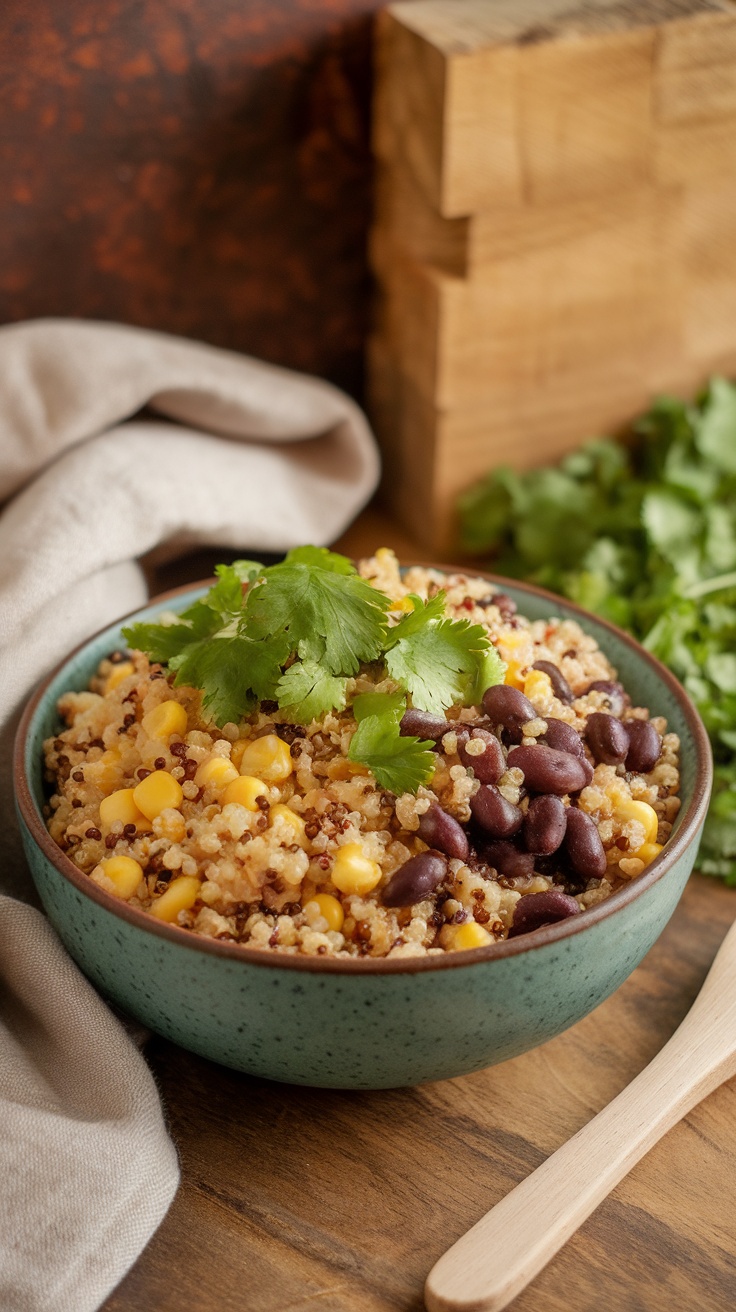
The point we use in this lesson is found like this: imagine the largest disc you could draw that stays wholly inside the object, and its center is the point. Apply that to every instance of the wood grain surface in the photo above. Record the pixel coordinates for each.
(294, 1200)
(554, 231)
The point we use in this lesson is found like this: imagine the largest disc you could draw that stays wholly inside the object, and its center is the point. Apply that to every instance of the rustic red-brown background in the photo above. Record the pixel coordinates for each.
(199, 166)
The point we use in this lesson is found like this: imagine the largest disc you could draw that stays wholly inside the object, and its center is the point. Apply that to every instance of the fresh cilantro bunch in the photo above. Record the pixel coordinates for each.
(645, 536)
(297, 632)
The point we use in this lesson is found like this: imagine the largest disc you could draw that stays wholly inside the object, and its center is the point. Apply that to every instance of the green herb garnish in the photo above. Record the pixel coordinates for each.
(400, 764)
(647, 538)
(296, 632)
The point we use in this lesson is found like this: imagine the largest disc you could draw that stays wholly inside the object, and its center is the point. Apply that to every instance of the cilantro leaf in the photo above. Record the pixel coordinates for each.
(321, 558)
(398, 764)
(163, 641)
(715, 435)
(308, 601)
(216, 665)
(309, 692)
(436, 660)
(388, 704)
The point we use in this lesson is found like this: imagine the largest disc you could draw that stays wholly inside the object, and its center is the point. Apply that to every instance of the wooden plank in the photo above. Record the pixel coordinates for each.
(405, 219)
(432, 455)
(601, 309)
(526, 101)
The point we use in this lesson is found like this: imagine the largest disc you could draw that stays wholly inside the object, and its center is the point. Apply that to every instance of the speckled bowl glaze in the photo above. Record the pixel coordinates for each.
(363, 1024)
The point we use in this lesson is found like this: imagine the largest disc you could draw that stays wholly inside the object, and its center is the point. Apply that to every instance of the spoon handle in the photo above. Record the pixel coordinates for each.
(508, 1247)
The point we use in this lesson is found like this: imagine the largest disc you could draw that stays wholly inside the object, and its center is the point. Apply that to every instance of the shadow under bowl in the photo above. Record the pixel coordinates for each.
(365, 1024)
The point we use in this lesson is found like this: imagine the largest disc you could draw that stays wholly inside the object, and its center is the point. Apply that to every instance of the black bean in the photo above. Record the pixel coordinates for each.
(547, 770)
(544, 825)
(490, 765)
(415, 880)
(560, 687)
(507, 860)
(583, 845)
(494, 813)
(441, 830)
(508, 707)
(420, 724)
(617, 696)
(535, 909)
(606, 738)
(645, 746)
(564, 738)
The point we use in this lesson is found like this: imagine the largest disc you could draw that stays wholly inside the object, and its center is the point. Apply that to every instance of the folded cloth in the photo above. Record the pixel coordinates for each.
(258, 457)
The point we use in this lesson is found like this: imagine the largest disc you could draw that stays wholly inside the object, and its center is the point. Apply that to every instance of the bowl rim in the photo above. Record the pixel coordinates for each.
(545, 936)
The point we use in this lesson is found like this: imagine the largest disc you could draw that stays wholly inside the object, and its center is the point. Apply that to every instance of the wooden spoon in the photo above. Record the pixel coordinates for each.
(507, 1248)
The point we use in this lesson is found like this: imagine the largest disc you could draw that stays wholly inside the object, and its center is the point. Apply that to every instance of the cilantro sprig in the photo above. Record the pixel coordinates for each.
(646, 537)
(399, 764)
(297, 632)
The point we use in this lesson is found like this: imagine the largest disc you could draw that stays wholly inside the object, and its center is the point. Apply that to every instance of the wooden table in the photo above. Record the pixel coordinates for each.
(294, 1200)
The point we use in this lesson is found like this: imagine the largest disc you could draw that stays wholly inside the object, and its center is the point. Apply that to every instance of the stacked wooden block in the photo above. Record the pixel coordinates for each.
(555, 230)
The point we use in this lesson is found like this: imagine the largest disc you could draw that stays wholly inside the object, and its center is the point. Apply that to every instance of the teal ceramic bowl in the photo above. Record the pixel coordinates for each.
(363, 1024)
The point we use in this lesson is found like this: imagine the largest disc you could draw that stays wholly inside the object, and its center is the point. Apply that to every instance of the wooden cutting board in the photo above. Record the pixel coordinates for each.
(303, 1200)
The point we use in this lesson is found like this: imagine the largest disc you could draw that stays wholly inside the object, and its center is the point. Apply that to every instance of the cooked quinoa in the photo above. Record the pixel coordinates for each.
(264, 833)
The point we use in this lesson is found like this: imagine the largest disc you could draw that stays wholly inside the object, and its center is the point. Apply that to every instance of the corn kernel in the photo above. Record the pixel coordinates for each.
(537, 684)
(269, 758)
(470, 935)
(181, 894)
(121, 806)
(165, 719)
(124, 873)
(647, 852)
(218, 772)
(328, 907)
(284, 815)
(353, 871)
(117, 674)
(244, 790)
(515, 674)
(236, 752)
(157, 792)
(642, 812)
(385, 554)
(404, 604)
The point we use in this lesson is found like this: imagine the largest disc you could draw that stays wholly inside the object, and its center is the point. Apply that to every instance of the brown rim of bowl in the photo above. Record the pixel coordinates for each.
(542, 937)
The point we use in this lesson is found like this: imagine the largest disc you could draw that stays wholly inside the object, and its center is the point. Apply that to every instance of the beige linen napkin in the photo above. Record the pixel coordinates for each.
(259, 458)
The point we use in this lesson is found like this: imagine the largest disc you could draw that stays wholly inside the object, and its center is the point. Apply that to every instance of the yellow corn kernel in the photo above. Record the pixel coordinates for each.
(515, 674)
(236, 752)
(244, 790)
(537, 684)
(353, 871)
(124, 873)
(404, 604)
(280, 813)
(644, 814)
(385, 554)
(269, 758)
(157, 792)
(121, 806)
(117, 674)
(165, 719)
(181, 894)
(470, 935)
(646, 852)
(218, 772)
(329, 908)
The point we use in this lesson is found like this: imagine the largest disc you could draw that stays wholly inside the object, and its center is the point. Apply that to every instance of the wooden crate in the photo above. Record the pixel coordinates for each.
(555, 229)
